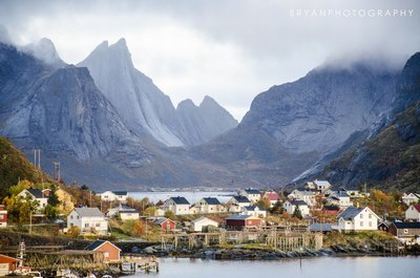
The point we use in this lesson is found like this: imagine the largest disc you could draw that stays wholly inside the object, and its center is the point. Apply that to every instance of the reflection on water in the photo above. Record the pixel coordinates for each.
(326, 267)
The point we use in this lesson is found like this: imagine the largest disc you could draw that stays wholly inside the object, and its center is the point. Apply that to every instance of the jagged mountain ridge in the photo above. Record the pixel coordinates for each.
(144, 107)
(390, 157)
(291, 126)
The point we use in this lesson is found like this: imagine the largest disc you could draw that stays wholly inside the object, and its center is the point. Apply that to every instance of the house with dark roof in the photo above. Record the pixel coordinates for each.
(209, 205)
(88, 220)
(255, 211)
(237, 202)
(413, 213)
(407, 232)
(356, 219)
(178, 205)
(111, 196)
(291, 205)
(36, 195)
(110, 252)
(124, 212)
(254, 195)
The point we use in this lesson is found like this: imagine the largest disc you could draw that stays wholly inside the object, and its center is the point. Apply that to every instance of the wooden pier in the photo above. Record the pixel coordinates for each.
(283, 241)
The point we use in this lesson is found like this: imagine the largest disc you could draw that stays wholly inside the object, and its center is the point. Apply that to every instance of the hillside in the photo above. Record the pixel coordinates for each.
(14, 167)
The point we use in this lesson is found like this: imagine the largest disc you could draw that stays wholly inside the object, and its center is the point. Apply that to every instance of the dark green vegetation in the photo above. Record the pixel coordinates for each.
(14, 167)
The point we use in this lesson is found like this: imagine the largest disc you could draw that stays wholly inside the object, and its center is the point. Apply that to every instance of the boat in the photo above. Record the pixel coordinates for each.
(34, 274)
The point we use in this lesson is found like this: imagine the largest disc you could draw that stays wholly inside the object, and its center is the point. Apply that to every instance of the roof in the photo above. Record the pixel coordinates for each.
(252, 191)
(98, 243)
(407, 225)
(322, 183)
(211, 201)
(298, 203)
(252, 208)
(161, 220)
(203, 218)
(320, 227)
(271, 195)
(36, 192)
(7, 259)
(238, 217)
(120, 193)
(89, 212)
(241, 199)
(349, 213)
(180, 200)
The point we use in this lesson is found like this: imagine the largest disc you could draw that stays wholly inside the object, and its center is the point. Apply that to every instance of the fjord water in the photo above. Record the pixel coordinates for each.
(326, 267)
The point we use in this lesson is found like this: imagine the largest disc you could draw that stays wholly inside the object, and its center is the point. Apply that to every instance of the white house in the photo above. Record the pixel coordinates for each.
(3, 217)
(272, 196)
(356, 219)
(341, 199)
(321, 185)
(124, 212)
(178, 205)
(255, 211)
(411, 198)
(120, 196)
(202, 223)
(413, 213)
(307, 196)
(89, 220)
(35, 194)
(253, 195)
(209, 205)
(291, 205)
(237, 203)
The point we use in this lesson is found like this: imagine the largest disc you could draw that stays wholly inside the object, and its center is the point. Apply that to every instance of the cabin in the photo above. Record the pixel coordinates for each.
(208, 205)
(413, 213)
(291, 205)
(322, 185)
(203, 224)
(410, 198)
(239, 202)
(341, 199)
(272, 196)
(7, 264)
(178, 205)
(253, 195)
(36, 195)
(255, 211)
(89, 220)
(406, 232)
(110, 252)
(239, 222)
(357, 219)
(383, 226)
(3, 217)
(331, 210)
(111, 196)
(166, 224)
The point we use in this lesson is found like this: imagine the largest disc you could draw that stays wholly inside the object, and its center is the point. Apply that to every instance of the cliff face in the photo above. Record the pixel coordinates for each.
(391, 156)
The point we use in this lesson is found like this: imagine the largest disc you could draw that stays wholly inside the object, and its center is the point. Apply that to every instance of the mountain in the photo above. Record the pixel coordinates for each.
(204, 122)
(45, 51)
(389, 158)
(291, 126)
(144, 107)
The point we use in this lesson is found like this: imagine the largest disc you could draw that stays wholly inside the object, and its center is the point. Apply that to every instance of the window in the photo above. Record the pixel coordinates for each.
(405, 231)
(361, 216)
(361, 223)
(370, 216)
(370, 223)
(106, 254)
(98, 224)
(71, 216)
(86, 225)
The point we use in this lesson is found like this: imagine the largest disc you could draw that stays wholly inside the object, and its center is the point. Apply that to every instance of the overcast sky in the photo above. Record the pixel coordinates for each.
(231, 50)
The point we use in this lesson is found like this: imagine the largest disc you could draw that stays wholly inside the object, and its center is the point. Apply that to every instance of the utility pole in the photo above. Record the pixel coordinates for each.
(30, 222)
(57, 170)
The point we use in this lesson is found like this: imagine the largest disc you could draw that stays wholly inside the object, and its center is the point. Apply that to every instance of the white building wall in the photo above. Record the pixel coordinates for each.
(412, 214)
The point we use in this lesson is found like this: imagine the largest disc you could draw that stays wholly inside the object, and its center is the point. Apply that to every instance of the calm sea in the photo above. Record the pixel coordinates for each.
(191, 196)
(324, 267)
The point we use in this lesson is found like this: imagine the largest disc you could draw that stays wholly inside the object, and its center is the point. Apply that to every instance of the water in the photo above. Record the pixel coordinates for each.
(325, 267)
(191, 196)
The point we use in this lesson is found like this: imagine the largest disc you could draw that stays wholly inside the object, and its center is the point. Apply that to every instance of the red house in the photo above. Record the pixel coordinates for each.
(7, 264)
(166, 224)
(3, 217)
(239, 222)
(111, 252)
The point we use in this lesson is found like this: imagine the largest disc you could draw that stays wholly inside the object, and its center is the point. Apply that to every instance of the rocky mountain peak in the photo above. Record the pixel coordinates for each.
(45, 51)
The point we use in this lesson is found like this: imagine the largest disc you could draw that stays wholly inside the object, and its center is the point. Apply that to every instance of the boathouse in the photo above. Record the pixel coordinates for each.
(110, 251)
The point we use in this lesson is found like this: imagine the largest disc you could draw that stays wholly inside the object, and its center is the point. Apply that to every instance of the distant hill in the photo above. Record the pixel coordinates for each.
(14, 167)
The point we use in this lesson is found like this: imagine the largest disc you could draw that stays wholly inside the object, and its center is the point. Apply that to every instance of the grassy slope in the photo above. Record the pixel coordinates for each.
(390, 160)
(15, 166)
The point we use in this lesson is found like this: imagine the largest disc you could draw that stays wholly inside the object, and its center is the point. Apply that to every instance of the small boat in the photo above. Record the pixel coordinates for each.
(106, 276)
(34, 274)
(90, 275)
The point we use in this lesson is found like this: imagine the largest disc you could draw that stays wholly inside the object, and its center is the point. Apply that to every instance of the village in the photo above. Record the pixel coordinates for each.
(119, 234)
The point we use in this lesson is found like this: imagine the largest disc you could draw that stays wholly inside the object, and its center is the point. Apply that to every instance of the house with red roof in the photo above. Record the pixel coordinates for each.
(413, 213)
(271, 196)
